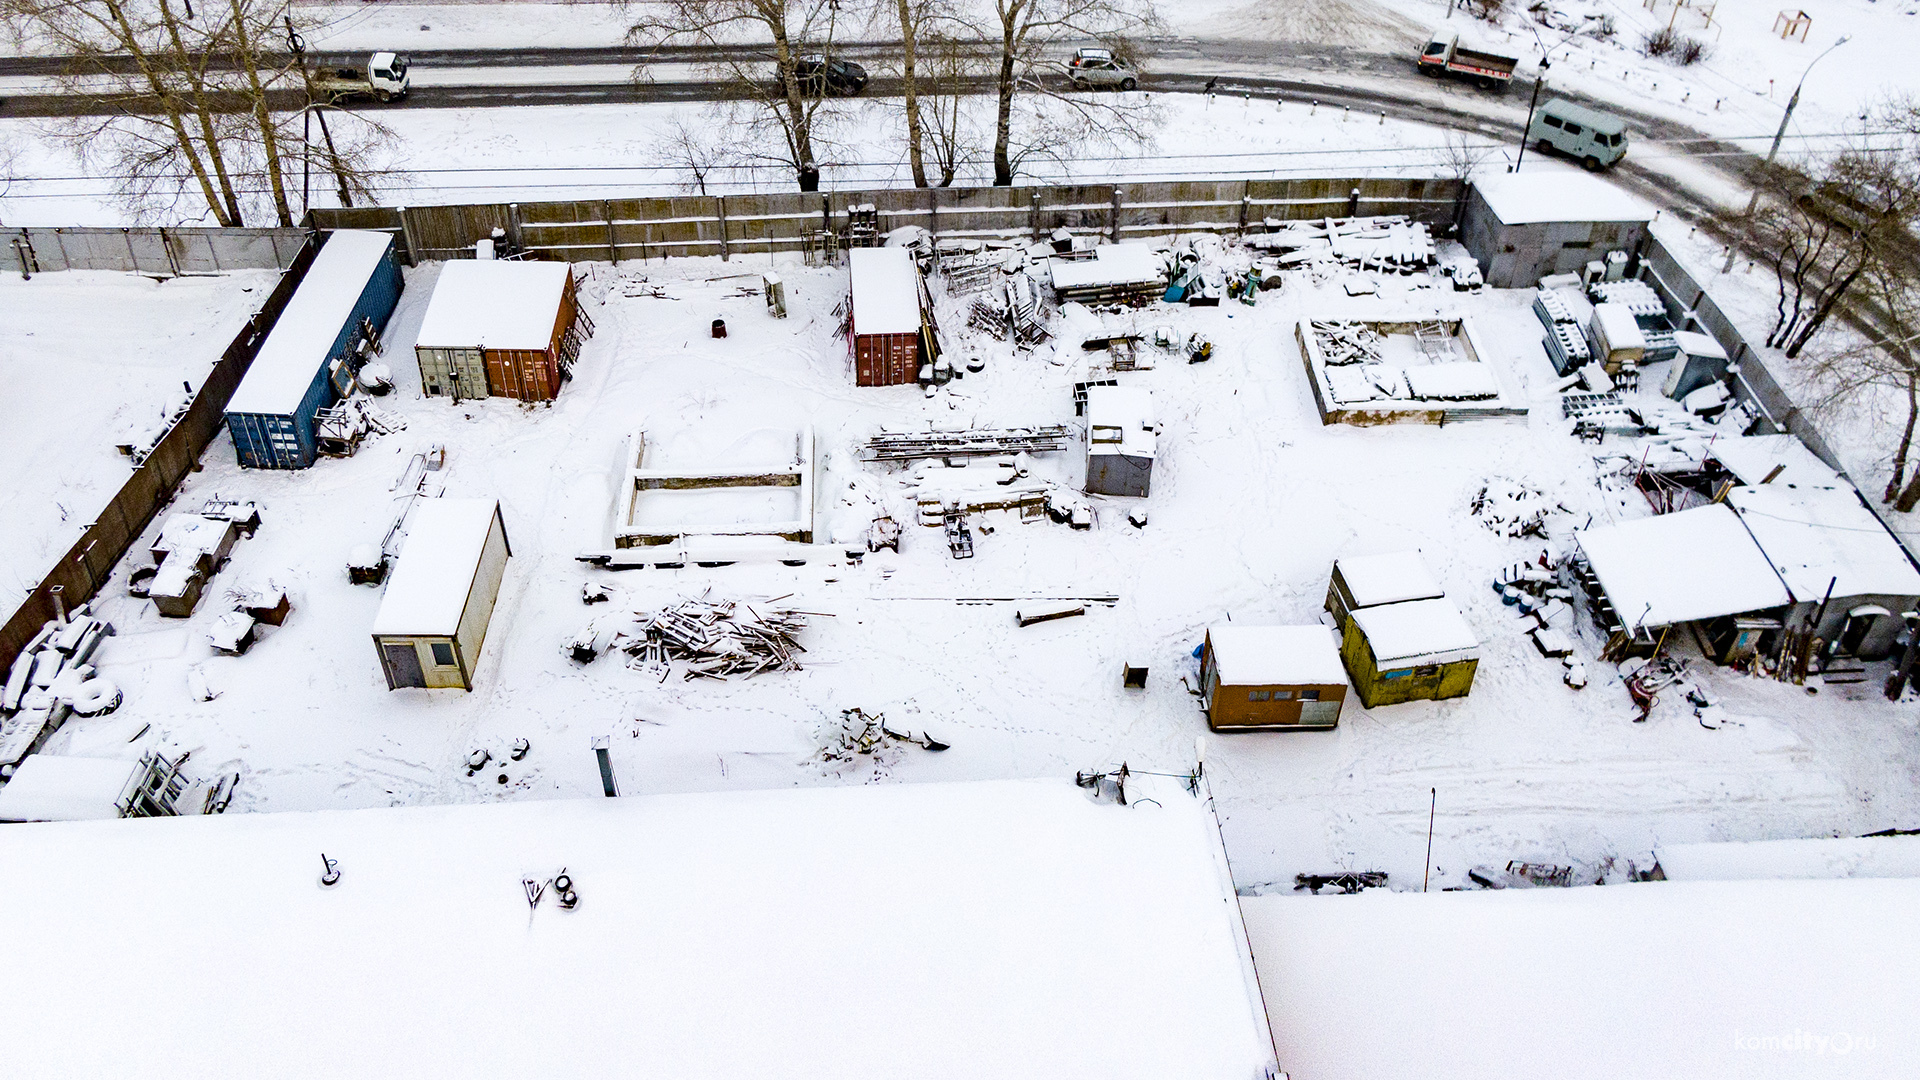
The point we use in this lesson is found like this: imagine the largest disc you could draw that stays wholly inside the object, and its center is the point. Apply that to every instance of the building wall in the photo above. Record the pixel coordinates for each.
(1878, 643)
(1395, 685)
(1118, 474)
(1518, 256)
(1232, 707)
(434, 674)
(885, 359)
(478, 613)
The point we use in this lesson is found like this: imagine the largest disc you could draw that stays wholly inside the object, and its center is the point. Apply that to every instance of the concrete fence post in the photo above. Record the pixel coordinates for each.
(720, 208)
(1113, 229)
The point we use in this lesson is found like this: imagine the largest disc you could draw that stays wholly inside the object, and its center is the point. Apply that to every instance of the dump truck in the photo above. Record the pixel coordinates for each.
(1446, 53)
(383, 79)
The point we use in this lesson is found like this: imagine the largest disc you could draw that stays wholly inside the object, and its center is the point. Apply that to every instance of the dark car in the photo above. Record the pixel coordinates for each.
(819, 75)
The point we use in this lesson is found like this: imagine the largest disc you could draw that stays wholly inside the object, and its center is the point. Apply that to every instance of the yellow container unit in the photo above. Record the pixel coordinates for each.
(1411, 651)
(433, 618)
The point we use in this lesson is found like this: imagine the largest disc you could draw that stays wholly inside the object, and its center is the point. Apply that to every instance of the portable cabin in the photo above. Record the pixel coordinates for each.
(1257, 678)
(1120, 441)
(1693, 566)
(433, 619)
(890, 327)
(1371, 580)
(499, 328)
(1529, 225)
(1698, 361)
(1615, 337)
(1850, 578)
(1415, 650)
(308, 359)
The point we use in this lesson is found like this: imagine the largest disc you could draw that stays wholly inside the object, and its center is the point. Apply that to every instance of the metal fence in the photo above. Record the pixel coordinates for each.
(162, 252)
(1755, 386)
(616, 230)
(86, 566)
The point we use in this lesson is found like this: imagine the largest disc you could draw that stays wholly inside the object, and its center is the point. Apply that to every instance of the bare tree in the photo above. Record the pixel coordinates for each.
(694, 150)
(950, 139)
(1864, 375)
(1824, 229)
(1027, 32)
(762, 68)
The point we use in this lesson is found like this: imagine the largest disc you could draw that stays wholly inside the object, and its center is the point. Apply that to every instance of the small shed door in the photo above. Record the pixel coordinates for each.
(403, 665)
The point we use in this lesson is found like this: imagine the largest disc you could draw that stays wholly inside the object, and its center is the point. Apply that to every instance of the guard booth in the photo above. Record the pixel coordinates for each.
(1121, 441)
(433, 619)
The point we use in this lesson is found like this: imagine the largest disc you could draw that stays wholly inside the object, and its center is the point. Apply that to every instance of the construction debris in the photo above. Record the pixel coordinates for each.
(1388, 243)
(1347, 884)
(50, 680)
(973, 442)
(710, 639)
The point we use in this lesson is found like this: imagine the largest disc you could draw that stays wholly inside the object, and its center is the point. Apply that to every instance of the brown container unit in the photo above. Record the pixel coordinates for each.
(889, 326)
(1271, 678)
(501, 329)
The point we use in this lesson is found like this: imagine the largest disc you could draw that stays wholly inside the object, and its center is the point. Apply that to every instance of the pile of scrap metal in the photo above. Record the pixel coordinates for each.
(1010, 306)
(711, 639)
(971, 442)
(1392, 243)
(51, 679)
(190, 550)
(338, 429)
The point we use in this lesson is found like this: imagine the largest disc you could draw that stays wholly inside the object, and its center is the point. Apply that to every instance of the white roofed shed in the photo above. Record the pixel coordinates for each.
(1122, 440)
(1525, 226)
(1361, 581)
(1696, 564)
(1416, 633)
(1275, 655)
(433, 619)
(886, 291)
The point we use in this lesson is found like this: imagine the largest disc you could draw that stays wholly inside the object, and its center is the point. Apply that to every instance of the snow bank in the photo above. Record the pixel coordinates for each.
(1656, 980)
(1822, 857)
(1009, 929)
(46, 788)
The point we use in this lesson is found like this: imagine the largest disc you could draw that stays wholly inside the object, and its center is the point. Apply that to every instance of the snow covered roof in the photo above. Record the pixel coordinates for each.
(494, 304)
(1696, 564)
(1526, 198)
(1122, 413)
(1388, 578)
(1006, 929)
(1694, 344)
(1821, 857)
(1111, 264)
(303, 336)
(47, 788)
(1699, 979)
(1753, 458)
(1814, 536)
(1417, 632)
(431, 579)
(886, 291)
(1276, 655)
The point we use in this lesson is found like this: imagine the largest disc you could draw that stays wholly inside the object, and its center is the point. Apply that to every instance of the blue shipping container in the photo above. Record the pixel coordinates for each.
(356, 276)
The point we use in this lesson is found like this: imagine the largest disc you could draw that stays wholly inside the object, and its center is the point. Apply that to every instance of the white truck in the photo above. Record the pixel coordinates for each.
(384, 79)
(1446, 54)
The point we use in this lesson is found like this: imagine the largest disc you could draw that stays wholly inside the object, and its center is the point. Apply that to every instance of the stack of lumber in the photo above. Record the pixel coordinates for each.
(972, 442)
(1387, 243)
(1346, 342)
(715, 639)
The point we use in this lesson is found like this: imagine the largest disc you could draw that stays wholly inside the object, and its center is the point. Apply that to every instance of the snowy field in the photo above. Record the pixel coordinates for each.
(1252, 500)
(78, 384)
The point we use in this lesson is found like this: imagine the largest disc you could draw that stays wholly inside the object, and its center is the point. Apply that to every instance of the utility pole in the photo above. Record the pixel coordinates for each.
(1531, 105)
(1433, 805)
(1787, 116)
(299, 46)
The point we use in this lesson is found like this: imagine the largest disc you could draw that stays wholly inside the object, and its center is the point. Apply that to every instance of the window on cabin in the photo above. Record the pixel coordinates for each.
(1283, 695)
(442, 654)
(1309, 695)
(1257, 695)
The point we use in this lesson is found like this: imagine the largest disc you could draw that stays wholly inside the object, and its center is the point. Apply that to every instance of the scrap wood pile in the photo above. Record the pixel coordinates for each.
(1387, 243)
(971, 442)
(1514, 509)
(1346, 342)
(711, 639)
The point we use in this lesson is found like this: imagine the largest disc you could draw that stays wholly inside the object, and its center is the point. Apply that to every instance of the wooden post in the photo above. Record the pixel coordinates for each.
(406, 234)
(720, 205)
(613, 249)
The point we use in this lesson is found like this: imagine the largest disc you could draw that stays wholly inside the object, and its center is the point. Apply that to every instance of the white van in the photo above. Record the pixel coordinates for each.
(1594, 139)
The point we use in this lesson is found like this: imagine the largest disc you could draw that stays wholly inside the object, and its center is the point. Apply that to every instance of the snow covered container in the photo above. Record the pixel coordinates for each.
(1278, 678)
(45, 788)
(1825, 538)
(1365, 581)
(1112, 272)
(433, 618)
(1615, 337)
(1120, 441)
(307, 360)
(1525, 226)
(703, 913)
(1416, 650)
(500, 328)
(890, 329)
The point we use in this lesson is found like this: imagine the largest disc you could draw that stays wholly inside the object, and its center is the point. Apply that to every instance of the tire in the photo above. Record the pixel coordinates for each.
(1431, 71)
(1543, 148)
(382, 96)
(1129, 84)
(1486, 82)
(1590, 163)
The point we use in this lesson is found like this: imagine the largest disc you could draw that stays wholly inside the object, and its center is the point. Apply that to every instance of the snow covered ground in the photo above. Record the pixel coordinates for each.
(1252, 500)
(78, 384)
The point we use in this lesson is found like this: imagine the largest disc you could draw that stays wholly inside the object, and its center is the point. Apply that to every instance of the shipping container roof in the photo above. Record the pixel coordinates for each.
(427, 592)
(886, 291)
(1417, 632)
(1388, 578)
(1696, 564)
(302, 338)
(1276, 655)
(494, 304)
(1010, 929)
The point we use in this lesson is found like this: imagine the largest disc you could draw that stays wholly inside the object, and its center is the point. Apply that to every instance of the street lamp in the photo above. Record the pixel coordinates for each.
(1791, 102)
(1537, 81)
